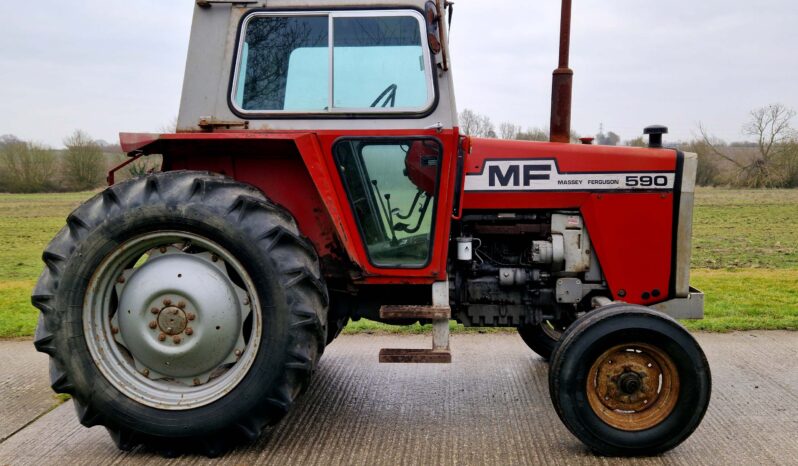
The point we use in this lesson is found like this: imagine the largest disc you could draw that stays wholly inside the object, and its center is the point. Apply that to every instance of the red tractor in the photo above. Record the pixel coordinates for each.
(318, 175)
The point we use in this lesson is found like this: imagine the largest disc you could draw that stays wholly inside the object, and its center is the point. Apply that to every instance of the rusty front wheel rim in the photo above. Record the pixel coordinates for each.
(633, 387)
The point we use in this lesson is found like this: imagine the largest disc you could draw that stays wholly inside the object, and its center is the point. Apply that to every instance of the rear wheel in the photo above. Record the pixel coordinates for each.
(543, 338)
(629, 381)
(182, 310)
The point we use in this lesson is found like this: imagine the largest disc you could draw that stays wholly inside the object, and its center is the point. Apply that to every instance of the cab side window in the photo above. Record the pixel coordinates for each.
(392, 186)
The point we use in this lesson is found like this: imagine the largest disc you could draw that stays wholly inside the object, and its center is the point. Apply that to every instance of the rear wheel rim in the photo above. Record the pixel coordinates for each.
(172, 320)
(633, 387)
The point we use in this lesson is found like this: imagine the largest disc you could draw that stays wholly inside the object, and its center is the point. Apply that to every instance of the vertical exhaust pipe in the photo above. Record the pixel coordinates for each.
(562, 82)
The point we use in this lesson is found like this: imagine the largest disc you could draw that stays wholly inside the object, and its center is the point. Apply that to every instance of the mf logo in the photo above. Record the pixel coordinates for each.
(517, 174)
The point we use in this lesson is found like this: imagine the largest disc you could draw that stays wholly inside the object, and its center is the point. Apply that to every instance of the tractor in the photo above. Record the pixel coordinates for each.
(318, 175)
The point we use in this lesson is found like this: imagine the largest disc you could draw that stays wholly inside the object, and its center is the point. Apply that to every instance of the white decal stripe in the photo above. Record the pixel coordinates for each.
(542, 175)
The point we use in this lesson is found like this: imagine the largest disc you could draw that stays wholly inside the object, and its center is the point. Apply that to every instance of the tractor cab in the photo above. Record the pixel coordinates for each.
(324, 65)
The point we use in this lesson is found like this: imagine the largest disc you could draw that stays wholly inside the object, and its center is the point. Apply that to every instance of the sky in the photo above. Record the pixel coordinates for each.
(115, 65)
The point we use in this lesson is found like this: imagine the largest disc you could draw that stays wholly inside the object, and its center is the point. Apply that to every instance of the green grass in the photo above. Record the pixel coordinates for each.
(746, 229)
(27, 223)
(17, 316)
(745, 254)
(747, 299)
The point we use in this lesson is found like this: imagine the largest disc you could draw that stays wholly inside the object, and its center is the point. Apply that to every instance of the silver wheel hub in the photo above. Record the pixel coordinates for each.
(184, 289)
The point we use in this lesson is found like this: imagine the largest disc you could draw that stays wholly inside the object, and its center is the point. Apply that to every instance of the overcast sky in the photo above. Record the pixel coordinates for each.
(115, 65)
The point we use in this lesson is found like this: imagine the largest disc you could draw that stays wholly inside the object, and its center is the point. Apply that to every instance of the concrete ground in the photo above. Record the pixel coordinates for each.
(491, 406)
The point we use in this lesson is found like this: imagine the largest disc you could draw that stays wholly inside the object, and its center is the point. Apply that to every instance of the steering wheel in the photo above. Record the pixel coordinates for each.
(389, 95)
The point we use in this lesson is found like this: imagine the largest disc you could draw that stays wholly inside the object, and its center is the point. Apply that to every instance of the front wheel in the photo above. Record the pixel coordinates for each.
(629, 381)
(181, 310)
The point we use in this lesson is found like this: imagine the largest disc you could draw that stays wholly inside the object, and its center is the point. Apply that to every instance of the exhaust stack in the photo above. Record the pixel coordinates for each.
(562, 83)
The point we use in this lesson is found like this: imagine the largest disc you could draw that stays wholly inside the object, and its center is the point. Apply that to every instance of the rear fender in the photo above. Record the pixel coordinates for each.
(279, 164)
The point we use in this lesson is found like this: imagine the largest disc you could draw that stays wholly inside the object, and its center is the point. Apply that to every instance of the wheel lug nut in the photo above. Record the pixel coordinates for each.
(197, 382)
(167, 302)
(215, 258)
(145, 372)
(155, 310)
(163, 249)
(239, 353)
(162, 337)
(176, 339)
(153, 325)
(121, 279)
(246, 301)
(191, 316)
(114, 330)
(189, 331)
(181, 304)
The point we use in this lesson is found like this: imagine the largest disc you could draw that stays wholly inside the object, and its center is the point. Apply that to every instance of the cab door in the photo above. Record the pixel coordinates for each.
(369, 87)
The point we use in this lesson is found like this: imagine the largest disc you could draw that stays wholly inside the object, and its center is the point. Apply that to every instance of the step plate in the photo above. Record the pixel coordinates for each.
(428, 356)
(415, 312)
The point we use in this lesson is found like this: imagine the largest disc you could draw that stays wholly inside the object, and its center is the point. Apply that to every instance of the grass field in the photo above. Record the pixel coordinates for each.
(745, 257)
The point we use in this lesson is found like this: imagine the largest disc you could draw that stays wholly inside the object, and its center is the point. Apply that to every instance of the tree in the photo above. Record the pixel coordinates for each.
(25, 167)
(170, 127)
(774, 158)
(707, 173)
(534, 134)
(7, 139)
(509, 130)
(84, 163)
(609, 139)
(639, 141)
(474, 124)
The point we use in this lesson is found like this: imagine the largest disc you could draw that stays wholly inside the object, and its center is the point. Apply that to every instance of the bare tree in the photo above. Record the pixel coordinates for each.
(775, 148)
(26, 167)
(474, 124)
(509, 130)
(84, 161)
(170, 127)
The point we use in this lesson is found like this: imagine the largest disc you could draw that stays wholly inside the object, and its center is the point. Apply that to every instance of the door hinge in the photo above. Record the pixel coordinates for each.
(209, 124)
(210, 3)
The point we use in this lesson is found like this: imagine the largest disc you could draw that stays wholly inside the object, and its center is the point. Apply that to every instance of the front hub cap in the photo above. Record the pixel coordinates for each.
(633, 387)
(172, 320)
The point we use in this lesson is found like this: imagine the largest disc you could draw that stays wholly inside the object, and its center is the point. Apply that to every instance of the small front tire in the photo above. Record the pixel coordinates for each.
(629, 381)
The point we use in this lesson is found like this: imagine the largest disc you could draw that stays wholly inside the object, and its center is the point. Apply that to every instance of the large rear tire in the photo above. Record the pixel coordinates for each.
(629, 381)
(219, 330)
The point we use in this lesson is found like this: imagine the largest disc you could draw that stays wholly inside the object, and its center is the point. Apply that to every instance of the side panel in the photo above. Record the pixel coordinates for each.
(631, 226)
(297, 170)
